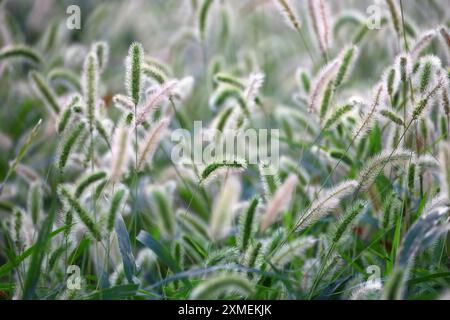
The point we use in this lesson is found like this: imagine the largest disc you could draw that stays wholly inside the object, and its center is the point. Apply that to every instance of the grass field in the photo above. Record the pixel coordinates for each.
(96, 202)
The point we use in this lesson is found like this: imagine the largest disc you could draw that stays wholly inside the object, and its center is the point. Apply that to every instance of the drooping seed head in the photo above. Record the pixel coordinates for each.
(320, 82)
(368, 119)
(151, 142)
(162, 92)
(346, 221)
(20, 51)
(247, 223)
(45, 92)
(219, 167)
(445, 36)
(325, 203)
(222, 213)
(121, 150)
(73, 203)
(391, 80)
(422, 43)
(370, 171)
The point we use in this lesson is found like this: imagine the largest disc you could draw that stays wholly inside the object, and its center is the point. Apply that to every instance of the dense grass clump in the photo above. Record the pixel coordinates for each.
(94, 176)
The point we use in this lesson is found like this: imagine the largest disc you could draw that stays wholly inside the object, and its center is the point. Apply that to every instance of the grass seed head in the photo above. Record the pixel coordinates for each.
(133, 64)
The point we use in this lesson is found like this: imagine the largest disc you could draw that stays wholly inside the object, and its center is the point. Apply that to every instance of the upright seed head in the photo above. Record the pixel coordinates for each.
(404, 66)
(390, 82)
(325, 203)
(326, 100)
(367, 121)
(162, 204)
(73, 203)
(254, 84)
(444, 161)
(324, 14)
(90, 88)
(422, 104)
(18, 225)
(286, 10)
(303, 80)
(320, 82)
(120, 149)
(16, 51)
(389, 206)
(314, 18)
(222, 214)
(35, 201)
(252, 257)
(134, 72)
(270, 179)
(164, 91)
(430, 66)
(395, 16)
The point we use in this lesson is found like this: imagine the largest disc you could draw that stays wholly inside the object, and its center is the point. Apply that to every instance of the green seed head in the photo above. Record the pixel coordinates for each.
(134, 72)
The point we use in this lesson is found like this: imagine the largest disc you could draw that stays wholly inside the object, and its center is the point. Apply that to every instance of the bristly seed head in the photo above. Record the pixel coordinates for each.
(134, 72)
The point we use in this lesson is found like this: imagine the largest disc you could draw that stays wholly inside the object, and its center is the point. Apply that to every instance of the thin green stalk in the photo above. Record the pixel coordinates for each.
(305, 44)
